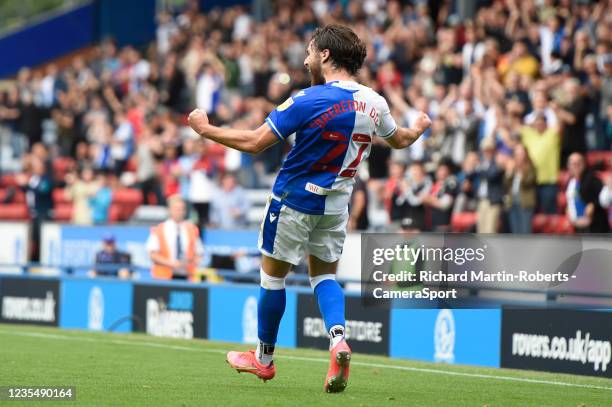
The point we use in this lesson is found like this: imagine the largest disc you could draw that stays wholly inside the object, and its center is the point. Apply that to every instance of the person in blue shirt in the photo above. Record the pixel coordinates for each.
(334, 122)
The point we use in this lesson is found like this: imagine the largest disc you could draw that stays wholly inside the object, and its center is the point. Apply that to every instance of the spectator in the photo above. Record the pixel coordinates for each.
(230, 204)
(122, 142)
(358, 219)
(407, 202)
(441, 198)
(572, 111)
(490, 189)
(81, 189)
(468, 181)
(519, 187)
(174, 246)
(149, 151)
(37, 185)
(110, 261)
(100, 203)
(583, 204)
(544, 148)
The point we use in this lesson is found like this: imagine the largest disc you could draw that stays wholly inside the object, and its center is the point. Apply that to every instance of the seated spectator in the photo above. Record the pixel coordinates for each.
(519, 187)
(230, 205)
(110, 261)
(490, 189)
(441, 197)
(174, 246)
(543, 145)
(583, 204)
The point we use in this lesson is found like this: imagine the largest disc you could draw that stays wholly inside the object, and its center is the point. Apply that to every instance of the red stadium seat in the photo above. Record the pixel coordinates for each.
(8, 180)
(463, 221)
(604, 158)
(62, 212)
(126, 200)
(557, 224)
(114, 213)
(561, 201)
(61, 166)
(59, 197)
(17, 211)
(18, 196)
(563, 180)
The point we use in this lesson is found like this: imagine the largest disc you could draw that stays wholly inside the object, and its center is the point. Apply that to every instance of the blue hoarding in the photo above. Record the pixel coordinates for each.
(233, 315)
(96, 304)
(462, 336)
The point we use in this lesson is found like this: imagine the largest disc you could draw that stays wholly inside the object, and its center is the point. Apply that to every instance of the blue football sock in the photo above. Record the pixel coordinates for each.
(331, 302)
(269, 314)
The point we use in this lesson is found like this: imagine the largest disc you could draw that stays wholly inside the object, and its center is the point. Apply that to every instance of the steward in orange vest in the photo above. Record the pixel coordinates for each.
(174, 246)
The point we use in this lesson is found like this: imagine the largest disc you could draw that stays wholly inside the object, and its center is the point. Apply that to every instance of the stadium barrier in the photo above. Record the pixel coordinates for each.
(566, 341)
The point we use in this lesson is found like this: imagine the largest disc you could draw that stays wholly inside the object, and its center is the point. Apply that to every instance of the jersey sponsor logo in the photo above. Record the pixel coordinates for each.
(285, 105)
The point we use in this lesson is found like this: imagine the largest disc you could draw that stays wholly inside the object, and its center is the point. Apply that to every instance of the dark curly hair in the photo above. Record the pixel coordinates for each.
(346, 50)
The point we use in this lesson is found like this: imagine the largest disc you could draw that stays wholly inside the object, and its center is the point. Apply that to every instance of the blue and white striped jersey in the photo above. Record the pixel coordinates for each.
(334, 124)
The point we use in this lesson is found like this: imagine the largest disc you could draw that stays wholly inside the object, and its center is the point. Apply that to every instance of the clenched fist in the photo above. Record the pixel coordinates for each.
(422, 122)
(198, 120)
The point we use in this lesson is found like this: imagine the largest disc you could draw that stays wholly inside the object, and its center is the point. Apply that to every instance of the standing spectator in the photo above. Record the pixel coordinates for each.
(468, 181)
(358, 219)
(100, 203)
(80, 191)
(149, 151)
(441, 198)
(122, 143)
(583, 204)
(490, 189)
(519, 186)
(544, 148)
(572, 112)
(37, 185)
(407, 202)
(174, 246)
(230, 204)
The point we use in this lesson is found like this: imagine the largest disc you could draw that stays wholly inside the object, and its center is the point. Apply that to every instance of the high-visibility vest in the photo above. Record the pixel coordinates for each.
(161, 272)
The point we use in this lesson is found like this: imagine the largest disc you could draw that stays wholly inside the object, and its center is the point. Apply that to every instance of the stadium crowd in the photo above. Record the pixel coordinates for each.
(520, 94)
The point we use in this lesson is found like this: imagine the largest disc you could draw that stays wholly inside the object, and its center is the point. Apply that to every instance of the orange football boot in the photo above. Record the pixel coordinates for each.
(247, 362)
(338, 373)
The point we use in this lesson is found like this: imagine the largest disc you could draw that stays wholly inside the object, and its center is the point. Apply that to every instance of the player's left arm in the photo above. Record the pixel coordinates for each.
(404, 136)
(248, 141)
(394, 135)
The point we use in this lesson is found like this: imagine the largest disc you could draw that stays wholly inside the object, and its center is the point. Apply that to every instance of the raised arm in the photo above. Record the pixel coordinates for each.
(248, 141)
(404, 137)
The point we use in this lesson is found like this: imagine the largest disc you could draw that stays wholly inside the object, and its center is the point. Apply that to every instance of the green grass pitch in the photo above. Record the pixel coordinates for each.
(139, 370)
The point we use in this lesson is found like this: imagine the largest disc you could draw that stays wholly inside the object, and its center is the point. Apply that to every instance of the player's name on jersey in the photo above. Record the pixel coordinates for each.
(427, 276)
(344, 106)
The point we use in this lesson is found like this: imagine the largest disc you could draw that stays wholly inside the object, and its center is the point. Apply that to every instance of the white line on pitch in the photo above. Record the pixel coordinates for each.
(307, 359)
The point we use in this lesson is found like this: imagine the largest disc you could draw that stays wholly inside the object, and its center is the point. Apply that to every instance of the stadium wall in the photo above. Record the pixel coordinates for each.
(568, 341)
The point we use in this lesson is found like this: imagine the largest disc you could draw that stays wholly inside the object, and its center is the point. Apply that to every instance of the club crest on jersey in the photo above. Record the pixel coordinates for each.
(285, 105)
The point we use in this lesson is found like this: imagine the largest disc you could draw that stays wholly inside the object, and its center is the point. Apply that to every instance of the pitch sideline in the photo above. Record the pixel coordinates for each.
(307, 359)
